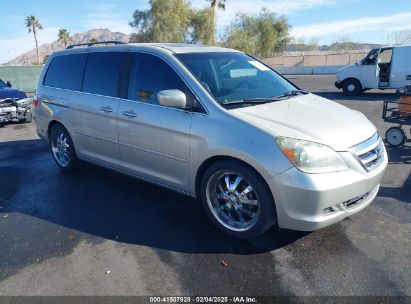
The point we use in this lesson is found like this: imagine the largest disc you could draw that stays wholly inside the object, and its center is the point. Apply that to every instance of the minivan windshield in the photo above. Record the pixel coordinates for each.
(233, 77)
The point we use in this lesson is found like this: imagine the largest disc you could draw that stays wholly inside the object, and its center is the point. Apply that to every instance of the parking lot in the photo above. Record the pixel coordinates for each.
(96, 232)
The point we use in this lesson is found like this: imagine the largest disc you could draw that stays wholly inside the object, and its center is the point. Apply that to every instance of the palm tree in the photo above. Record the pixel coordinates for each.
(33, 24)
(64, 36)
(216, 4)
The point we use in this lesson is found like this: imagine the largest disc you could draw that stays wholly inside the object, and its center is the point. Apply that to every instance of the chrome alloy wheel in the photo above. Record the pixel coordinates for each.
(232, 200)
(60, 148)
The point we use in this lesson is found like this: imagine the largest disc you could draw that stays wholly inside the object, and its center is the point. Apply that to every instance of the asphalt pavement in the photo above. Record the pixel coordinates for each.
(96, 232)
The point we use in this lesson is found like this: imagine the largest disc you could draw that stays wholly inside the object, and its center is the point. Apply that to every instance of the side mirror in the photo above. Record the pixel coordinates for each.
(8, 83)
(172, 98)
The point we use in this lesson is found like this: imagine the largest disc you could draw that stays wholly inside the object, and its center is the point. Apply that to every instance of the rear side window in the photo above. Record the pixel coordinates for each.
(149, 75)
(103, 72)
(66, 72)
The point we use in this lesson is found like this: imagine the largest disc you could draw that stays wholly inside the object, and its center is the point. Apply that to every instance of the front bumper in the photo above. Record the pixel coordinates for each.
(4, 117)
(338, 84)
(309, 202)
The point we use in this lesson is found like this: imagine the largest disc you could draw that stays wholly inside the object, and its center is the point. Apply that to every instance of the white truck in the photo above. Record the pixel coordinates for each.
(384, 68)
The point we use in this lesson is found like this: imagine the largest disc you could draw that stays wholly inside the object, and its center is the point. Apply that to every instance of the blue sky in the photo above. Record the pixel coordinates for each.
(326, 20)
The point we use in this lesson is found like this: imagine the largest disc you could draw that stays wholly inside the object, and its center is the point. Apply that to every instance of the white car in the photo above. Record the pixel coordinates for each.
(384, 68)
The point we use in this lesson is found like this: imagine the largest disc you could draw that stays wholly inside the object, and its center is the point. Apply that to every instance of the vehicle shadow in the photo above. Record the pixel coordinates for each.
(112, 206)
(402, 193)
(399, 155)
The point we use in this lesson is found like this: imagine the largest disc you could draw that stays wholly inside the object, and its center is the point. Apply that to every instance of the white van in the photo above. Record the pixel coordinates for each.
(392, 71)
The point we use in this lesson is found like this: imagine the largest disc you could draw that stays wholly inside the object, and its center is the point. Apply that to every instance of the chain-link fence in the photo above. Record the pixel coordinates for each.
(21, 77)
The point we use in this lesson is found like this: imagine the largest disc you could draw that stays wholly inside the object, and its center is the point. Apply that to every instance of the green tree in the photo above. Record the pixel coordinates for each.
(165, 21)
(33, 24)
(173, 21)
(215, 4)
(343, 44)
(64, 36)
(45, 58)
(93, 40)
(202, 26)
(261, 35)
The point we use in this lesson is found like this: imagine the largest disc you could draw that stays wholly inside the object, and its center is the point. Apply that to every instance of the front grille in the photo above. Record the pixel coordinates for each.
(370, 153)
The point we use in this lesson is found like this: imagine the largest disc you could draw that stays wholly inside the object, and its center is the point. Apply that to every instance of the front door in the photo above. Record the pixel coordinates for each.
(154, 140)
(367, 67)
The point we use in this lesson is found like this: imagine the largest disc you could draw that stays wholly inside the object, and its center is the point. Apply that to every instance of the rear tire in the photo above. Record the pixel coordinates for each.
(62, 148)
(351, 87)
(237, 199)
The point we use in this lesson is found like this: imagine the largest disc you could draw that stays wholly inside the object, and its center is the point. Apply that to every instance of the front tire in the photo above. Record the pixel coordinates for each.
(28, 118)
(351, 87)
(62, 148)
(237, 199)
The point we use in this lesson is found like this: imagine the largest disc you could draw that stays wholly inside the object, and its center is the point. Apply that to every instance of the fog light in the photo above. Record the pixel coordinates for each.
(328, 210)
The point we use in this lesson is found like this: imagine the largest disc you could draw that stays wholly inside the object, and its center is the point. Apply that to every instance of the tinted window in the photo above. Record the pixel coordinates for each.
(66, 72)
(103, 72)
(2, 84)
(149, 75)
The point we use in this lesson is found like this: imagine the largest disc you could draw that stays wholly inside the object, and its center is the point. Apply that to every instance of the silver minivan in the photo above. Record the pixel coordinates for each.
(215, 124)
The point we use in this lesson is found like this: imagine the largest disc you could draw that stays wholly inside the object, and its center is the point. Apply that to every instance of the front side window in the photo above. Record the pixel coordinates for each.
(103, 73)
(371, 58)
(232, 76)
(150, 75)
(66, 72)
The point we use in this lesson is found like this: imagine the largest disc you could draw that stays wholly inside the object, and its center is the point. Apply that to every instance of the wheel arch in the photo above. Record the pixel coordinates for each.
(217, 158)
(53, 123)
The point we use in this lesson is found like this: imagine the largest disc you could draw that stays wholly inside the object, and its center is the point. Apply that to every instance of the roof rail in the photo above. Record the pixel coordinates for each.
(94, 43)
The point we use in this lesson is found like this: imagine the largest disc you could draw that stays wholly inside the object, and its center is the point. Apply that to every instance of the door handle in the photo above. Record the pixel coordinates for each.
(130, 114)
(106, 109)
(408, 77)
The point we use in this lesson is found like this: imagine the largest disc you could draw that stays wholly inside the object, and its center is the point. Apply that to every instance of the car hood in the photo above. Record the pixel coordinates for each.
(11, 93)
(310, 117)
(344, 68)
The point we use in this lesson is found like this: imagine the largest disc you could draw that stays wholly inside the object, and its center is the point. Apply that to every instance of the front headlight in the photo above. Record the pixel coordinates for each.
(23, 102)
(310, 157)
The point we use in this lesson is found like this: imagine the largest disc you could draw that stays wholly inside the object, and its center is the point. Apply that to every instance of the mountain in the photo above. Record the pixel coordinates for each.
(48, 48)
(107, 35)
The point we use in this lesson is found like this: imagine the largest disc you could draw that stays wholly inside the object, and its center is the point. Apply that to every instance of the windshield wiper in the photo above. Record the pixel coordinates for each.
(261, 100)
(293, 93)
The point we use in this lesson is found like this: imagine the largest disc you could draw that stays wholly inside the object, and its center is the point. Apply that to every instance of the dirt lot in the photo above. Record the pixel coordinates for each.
(60, 233)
